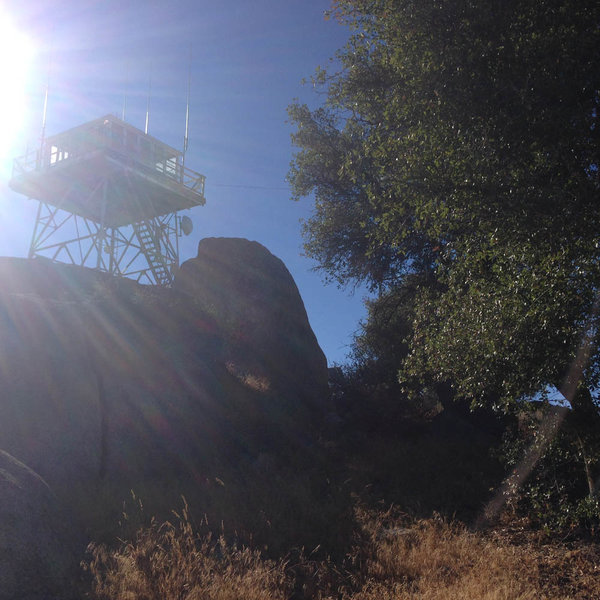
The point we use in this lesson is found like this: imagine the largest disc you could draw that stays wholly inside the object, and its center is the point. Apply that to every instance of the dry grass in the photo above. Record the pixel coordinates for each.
(393, 560)
(171, 562)
(434, 560)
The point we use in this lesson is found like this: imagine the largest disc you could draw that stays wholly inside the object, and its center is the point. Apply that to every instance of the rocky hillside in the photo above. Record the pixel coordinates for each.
(109, 386)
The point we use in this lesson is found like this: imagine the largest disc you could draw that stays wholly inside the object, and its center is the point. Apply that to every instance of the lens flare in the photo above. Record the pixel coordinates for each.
(16, 56)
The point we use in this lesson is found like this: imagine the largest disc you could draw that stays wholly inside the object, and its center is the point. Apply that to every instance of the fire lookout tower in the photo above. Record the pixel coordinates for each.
(108, 199)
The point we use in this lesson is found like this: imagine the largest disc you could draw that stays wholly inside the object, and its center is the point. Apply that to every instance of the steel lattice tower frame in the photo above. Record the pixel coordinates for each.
(108, 197)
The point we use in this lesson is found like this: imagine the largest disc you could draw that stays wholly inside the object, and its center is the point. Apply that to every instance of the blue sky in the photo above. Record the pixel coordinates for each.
(248, 60)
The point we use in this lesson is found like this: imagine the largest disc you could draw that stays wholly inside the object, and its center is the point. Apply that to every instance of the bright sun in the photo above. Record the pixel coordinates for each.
(16, 55)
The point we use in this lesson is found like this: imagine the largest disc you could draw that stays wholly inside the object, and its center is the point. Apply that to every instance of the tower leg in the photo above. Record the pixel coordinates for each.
(100, 240)
(35, 231)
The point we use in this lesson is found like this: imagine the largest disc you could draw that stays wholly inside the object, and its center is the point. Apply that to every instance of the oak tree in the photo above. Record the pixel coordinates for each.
(458, 145)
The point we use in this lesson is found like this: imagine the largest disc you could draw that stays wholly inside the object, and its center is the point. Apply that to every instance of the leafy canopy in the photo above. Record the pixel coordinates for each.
(458, 147)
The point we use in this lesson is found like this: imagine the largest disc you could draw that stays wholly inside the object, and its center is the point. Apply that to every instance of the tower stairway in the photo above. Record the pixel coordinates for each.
(150, 247)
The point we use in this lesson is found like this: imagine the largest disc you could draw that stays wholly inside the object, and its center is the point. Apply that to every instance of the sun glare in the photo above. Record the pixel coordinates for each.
(16, 54)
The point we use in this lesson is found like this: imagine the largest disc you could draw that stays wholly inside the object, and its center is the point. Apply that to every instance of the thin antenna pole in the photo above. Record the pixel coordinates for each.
(43, 135)
(148, 102)
(125, 92)
(187, 110)
(45, 109)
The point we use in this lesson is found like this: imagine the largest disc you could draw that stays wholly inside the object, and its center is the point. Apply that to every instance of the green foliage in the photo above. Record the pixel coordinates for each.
(556, 495)
(419, 455)
(380, 346)
(459, 142)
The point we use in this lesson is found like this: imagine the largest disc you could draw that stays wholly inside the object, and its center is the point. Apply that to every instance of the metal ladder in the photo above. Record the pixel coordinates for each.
(150, 247)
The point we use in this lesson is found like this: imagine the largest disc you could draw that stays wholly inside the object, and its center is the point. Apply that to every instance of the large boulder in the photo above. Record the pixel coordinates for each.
(108, 386)
(267, 339)
(39, 546)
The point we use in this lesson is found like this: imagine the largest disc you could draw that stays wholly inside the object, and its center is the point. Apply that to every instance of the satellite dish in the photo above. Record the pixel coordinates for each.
(186, 225)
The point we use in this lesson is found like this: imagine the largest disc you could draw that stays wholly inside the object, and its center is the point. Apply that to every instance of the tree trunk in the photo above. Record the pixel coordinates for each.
(588, 471)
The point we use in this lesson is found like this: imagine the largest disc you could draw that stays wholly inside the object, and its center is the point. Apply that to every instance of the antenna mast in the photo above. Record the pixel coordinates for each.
(125, 93)
(45, 110)
(187, 110)
(148, 102)
(43, 135)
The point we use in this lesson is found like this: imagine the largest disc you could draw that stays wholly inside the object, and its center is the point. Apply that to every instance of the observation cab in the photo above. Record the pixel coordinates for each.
(108, 197)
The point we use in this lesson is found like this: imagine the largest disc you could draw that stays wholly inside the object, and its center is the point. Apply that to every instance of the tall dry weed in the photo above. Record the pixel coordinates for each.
(172, 562)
